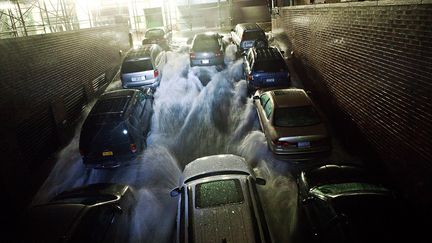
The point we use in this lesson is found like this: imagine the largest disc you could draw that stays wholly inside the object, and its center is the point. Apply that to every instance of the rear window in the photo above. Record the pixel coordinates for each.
(97, 132)
(205, 44)
(217, 193)
(140, 65)
(272, 66)
(296, 116)
(154, 33)
(253, 35)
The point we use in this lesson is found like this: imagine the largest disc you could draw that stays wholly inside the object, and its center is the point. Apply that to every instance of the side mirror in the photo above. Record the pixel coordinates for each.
(189, 41)
(260, 181)
(255, 97)
(282, 52)
(175, 192)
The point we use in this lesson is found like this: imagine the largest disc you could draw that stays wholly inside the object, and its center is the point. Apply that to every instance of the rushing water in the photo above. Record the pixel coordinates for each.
(198, 111)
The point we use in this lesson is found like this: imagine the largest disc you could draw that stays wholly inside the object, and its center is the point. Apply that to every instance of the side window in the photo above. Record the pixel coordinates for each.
(268, 108)
(264, 99)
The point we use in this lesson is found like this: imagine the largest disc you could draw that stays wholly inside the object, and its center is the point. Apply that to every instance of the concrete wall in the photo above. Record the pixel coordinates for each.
(373, 61)
(45, 82)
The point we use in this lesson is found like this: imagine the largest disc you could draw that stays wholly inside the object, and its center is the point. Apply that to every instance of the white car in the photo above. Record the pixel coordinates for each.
(218, 202)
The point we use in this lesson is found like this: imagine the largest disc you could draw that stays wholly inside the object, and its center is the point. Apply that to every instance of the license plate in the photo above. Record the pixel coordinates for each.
(303, 144)
(205, 61)
(107, 153)
(142, 78)
(270, 80)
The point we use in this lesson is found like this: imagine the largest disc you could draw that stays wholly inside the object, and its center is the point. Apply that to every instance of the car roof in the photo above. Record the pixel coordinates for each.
(267, 53)
(291, 97)
(156, 28)
(215, 165)
(113, 102)
(249, 26)
(207, 34)
(141, 51)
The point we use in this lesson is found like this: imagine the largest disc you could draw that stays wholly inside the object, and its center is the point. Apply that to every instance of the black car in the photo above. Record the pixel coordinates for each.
(158, 35)
(94, 213)
(207, 50)
(265, 67)
(345, 203)
(116, 128)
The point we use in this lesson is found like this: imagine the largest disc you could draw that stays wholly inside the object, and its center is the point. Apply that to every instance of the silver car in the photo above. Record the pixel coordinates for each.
(218, 202)
(139, 67)
(207, 50)
(291, 122)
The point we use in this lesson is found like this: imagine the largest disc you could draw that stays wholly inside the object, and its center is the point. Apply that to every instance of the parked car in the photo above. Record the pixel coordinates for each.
(265, 67)
(219, 202)
(95, 213)
(291, 122)
(207, 49)
(158, 35)
(346, 203)
(246, 35)
(140, 67)
(116, 128)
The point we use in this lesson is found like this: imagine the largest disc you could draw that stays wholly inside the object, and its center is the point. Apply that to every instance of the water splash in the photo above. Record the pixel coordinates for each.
(198, 111)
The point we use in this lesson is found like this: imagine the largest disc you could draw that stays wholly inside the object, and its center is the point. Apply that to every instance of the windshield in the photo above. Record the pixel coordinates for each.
(217, 193)
(296, 116)
(254, 35)
(206, 44)
(134, 66)
(156, 33)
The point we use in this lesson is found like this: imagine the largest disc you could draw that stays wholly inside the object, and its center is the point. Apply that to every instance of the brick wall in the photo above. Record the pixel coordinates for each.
(373, 61)
(45, 82)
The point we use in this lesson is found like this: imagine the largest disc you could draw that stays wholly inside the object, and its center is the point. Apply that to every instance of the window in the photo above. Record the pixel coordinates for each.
(205, 43)
(140, 65)
(264, 99)
(217, 193)
(253, 35)
(155, 33)
(268, 108)
(296, 117)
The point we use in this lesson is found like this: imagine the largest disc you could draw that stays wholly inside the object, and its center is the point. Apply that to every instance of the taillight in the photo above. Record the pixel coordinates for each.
(133, 148)
(155, 73)
(250, 77)
(283, 143)
(192, 55)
